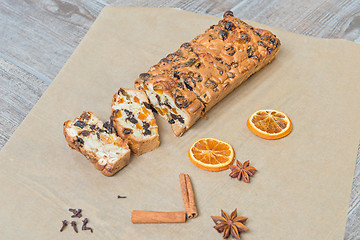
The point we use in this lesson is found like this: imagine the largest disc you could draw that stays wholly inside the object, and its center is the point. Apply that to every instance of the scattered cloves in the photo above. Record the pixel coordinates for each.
(84, 227)
(64, 222)
(121, 196)
(77, 213)
(73, 224)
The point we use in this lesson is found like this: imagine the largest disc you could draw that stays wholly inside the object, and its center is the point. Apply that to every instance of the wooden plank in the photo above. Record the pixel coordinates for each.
(19, 91)
(326, 18)
(43, 34)
(352, 230)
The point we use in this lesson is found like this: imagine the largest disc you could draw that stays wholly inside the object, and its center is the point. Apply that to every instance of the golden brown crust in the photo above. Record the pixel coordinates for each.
(142, 143)
(77, 134)
(203, 71)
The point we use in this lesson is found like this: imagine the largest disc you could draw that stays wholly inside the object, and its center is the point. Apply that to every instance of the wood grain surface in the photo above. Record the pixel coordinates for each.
(38, 36)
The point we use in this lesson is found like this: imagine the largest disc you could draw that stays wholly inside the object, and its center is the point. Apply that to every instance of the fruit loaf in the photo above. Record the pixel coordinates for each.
(134, 121)
(98, 142)
(187, 83)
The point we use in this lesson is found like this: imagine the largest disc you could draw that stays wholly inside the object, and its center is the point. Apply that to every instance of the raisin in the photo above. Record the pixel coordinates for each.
(181, 102)
(220, 71)
(256, 33)
(154, 110)
(171, 121)
(230, 51)
(173, 57)
(175, 67)
(79, 141)
(197, 65)
(85, 115)
(228, 14)
(189, 63)
(92, 126)
(132, 120)
(145, 124)
(108, 126)
(181, 85)
(255, 57)
(164, 60)
(189, 83)
(245, 37)
(127, 131)
(146, 132)
(269, 50)
(211, 84)
(273, 41)
(147, 105)
(144, 76)
(196, 76)
(176, 92)
(228, 66)
(231, 74)
(80, 124)
(173, 116)
(158, 98)
(179, 53)
(223, 34)
(113, 114)
(186, 45)
(85, 133)
(166, 103)
(260, 43)
(123, 92)
(176, 74)
(128, 113)
(98, 135)
(234, 65)
(229, 25)
(180, 118)
(250, 52)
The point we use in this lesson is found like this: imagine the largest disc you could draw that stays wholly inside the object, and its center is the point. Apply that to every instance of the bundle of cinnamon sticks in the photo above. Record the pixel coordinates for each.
(188, 197)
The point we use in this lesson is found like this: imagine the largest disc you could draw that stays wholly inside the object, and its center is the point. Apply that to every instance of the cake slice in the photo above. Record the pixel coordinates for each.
(98, 142)
(134, 121)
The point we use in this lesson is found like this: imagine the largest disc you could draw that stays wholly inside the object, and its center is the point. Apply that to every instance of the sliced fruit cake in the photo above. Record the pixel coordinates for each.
(134, 121)
(98, 142)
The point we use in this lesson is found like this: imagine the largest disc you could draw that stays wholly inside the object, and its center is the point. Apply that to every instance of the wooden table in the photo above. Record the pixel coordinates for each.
(38, 36)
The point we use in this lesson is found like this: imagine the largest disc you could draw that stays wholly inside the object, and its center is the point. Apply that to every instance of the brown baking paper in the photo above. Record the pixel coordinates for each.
(303, 183)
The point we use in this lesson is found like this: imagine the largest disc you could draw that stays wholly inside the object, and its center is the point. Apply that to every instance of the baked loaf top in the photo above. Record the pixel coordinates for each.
(197, 74)
(98, 142)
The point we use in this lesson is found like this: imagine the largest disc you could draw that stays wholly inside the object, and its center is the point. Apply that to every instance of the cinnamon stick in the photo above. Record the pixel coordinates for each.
(187, 193)
(157, 217)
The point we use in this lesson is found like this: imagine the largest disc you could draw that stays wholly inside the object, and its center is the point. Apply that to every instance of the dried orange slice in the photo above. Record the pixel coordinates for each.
(211, 154)
(269, 124)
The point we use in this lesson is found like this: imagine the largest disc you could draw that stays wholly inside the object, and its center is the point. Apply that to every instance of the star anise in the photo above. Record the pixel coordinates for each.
(230, 225)
(243, 171)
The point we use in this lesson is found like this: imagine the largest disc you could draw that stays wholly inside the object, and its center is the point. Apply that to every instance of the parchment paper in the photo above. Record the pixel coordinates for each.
(302, 187)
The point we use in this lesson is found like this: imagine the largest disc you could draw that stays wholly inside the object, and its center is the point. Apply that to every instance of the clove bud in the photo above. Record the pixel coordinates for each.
(64, 222)
(73, 224)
